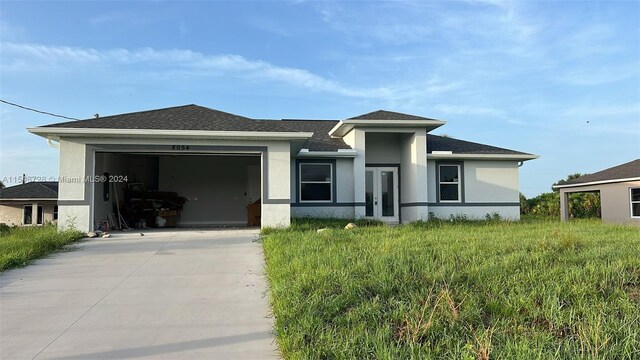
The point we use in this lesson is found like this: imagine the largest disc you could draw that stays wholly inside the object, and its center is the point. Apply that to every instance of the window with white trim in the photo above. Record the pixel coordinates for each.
(449, 188)
(634, 194)
(316, 182)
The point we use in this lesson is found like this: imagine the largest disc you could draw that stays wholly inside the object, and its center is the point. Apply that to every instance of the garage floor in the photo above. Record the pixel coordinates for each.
(184, 294)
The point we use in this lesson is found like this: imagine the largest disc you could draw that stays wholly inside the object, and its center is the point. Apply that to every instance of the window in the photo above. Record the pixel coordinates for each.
(55, 212)
(449, 183)
(316, 182)
(635, 202)
(27, 215)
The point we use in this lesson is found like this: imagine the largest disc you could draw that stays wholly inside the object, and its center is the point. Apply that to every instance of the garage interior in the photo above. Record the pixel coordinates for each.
(176, 190)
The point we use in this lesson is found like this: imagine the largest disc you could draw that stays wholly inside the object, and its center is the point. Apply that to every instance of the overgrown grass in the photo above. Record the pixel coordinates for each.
(533, 290)
(21, 245)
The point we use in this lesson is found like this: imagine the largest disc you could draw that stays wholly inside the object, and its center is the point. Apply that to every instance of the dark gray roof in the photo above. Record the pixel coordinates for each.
(194, 117)
(31, 190)
(441, 143)
(320, 141)
(387, 115)
(624, 171)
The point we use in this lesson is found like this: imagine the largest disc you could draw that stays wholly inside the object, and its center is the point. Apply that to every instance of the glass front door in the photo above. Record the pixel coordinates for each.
(381, 193)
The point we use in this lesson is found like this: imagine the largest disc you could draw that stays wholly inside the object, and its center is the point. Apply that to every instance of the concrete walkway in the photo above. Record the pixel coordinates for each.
(166, 295)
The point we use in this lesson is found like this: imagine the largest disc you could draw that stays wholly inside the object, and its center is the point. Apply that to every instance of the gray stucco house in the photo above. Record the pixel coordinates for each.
(619, 189)
(383, 165)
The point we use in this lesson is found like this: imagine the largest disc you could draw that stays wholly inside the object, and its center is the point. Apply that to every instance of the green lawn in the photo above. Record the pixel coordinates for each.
(21, 245)
(529, 290)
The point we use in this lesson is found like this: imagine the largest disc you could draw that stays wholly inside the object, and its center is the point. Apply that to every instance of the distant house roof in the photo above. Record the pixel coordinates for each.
(194, 117)
(387, 115)
(31, 190)
(623, 172)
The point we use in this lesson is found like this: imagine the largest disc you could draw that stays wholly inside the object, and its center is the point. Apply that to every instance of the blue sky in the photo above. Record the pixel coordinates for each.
(558, 79)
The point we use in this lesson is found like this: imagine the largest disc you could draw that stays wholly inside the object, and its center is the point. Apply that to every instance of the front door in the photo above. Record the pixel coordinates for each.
(381, 193)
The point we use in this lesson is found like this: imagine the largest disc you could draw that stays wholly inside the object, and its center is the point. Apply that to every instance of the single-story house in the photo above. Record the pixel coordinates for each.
(619, 189)
(32, 203)
(208, 166)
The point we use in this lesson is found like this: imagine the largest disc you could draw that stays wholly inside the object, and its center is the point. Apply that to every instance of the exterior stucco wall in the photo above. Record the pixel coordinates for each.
(73, 189)
(383, 148)
(491, 181)
(342, 212)
(413, 177)
(614, 199)
(11, 212)
(488, 187)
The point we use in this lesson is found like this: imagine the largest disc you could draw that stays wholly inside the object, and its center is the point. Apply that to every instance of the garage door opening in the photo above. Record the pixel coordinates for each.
(146, 190)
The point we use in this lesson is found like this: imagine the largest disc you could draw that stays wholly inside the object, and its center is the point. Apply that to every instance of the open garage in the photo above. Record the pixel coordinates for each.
(142, 189)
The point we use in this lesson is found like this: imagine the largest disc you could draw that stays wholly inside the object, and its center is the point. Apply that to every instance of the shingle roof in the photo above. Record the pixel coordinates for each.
(623, 171)
(31, 190)
(441, 143)
(194, 117)
(387, 115)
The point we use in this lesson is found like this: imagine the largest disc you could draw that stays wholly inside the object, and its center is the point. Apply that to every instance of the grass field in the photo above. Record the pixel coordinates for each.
(21, 245)
(529, 290)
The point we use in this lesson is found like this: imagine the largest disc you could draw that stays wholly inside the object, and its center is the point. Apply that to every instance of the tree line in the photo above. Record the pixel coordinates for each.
(581, 205)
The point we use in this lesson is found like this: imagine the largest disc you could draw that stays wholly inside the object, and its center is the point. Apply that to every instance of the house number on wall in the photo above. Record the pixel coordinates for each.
(179, 147)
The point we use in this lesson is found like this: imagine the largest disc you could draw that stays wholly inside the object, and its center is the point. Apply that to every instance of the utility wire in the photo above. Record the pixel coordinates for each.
(38, 111)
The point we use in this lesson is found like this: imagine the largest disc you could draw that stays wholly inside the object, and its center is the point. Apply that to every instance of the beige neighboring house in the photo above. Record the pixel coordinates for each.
(33, 203)
(619, 189)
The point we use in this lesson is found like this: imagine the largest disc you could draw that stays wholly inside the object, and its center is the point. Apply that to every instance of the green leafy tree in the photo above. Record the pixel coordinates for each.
(581, 205)
(1, 185)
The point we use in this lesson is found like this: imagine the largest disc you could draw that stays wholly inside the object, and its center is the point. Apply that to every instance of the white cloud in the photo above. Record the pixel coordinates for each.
(149, 63)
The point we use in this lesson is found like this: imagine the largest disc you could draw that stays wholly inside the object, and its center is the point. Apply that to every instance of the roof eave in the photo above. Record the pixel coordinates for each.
(341, 153)
(611, 181)
(344, 126)
(56, 133)
(454, 156)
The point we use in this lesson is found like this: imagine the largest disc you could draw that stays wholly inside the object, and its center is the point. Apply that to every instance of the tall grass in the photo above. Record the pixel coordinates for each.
(535, 290)
(20, 245)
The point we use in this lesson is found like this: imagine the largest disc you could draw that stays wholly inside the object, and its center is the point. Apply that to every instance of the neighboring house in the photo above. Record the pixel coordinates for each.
(381, 165)
(33, 203)
(619, 189)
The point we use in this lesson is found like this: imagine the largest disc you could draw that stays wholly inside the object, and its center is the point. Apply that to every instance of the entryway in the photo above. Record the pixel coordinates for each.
(381, 194)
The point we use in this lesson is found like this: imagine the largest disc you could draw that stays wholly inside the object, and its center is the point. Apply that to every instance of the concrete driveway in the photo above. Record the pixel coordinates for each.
(169, 294)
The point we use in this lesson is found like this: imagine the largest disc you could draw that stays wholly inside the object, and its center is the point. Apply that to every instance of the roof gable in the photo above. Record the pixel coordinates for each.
(387, 115)
(624, 171)
(31, 190)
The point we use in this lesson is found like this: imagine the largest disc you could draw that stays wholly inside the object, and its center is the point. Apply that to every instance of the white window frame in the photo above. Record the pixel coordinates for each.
(300, 182)
(631, 202)
(459, 183)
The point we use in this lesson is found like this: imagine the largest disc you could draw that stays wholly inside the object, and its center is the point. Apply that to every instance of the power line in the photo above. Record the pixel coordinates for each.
(38, 111)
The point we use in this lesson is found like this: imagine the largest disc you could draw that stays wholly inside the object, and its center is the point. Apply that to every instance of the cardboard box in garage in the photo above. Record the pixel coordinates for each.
(170, 216)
